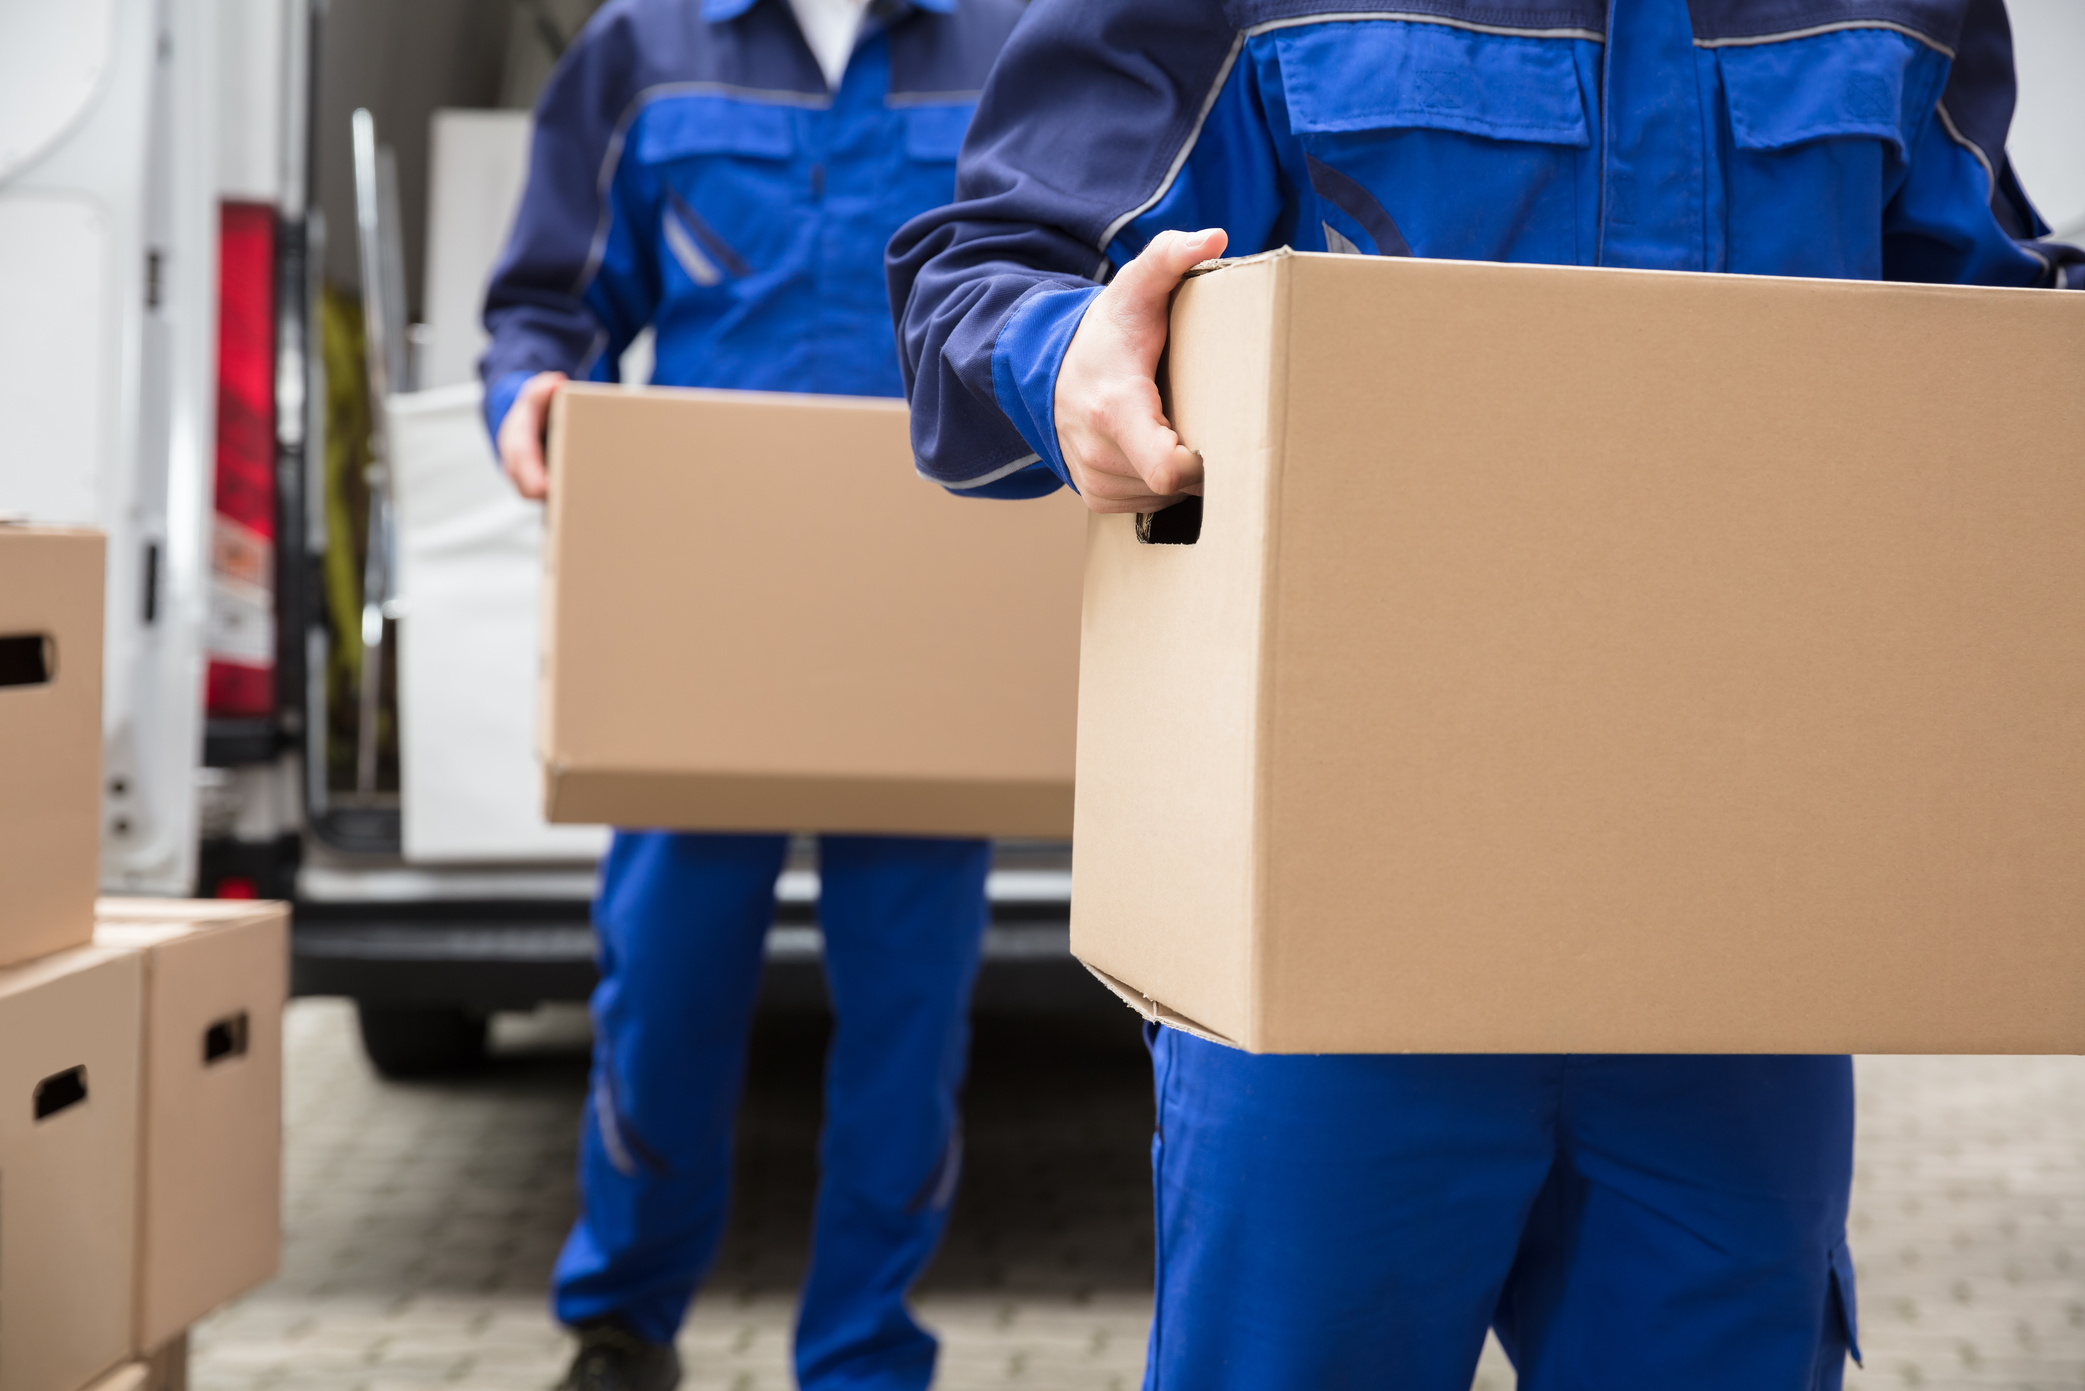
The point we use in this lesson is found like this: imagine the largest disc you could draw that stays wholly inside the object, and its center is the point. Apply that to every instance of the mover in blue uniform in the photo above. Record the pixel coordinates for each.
(728, 172)
(1359, 1221)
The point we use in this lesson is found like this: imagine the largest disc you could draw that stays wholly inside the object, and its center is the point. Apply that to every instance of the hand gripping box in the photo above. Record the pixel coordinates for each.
(1590, 660)
(758, 617)
(68, 1165)
(50, 738)
(210, 1178)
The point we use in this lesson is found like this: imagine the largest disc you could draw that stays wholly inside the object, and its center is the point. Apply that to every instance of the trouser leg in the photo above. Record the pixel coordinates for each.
(903, 921)
(681, 922)
(1340, 1221)
(1693, 1233)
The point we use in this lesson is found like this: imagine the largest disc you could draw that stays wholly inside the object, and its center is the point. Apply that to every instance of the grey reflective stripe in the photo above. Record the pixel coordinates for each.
(699, 267)
(951, 1173)
(1403, 17)
(594, 350)
(613, 155)
(1005, 470)
(1334, 241)
(610, 1126)
(1906, 30)
(1223, 75)
(1954, 133)
(902, 99)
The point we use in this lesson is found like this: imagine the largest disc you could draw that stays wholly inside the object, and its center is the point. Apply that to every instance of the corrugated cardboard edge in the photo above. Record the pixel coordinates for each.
(1279, 253)
(1152, 1011)
(546, 603)
(123, 910)
(130, 1376)
(1259, 908)
(868, 805)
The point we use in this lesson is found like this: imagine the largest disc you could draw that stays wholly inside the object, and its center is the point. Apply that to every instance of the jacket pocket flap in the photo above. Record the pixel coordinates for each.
(673, 127)
(1858, 82)
(936, 132)
(1386, 74)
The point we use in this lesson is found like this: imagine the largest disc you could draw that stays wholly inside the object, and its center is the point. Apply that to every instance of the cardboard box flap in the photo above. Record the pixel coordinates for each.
(1155, 1013)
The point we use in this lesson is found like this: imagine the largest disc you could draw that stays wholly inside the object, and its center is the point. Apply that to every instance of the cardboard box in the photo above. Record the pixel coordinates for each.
(210, 1177)
(758, 617)
(50, 738)
(1590, 660)
(68, 1165)
(165, 1368)
(131, 1376)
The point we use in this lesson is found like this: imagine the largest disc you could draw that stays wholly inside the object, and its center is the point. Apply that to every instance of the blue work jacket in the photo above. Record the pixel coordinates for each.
(1856, 139)
(691, 170)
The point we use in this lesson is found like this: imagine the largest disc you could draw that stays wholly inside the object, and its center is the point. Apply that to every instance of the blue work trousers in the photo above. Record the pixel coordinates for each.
(682, 921)
(1341, 1222)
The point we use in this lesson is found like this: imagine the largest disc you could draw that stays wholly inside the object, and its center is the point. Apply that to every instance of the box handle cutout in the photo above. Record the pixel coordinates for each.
(26, 659)
(61, 1091)
(1177, 525)
(225, 1039)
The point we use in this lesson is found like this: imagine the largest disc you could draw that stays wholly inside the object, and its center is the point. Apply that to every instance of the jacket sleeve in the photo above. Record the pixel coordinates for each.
(1960, 216)
(1099, 127)
(575, 283)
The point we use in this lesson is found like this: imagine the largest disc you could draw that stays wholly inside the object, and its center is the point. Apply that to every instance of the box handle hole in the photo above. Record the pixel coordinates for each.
(1177, 525)
(225, 1039)
(26, 659)
(61, 1091)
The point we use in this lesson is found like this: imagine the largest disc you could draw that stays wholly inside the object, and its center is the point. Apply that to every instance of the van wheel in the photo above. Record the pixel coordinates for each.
(412, 1041)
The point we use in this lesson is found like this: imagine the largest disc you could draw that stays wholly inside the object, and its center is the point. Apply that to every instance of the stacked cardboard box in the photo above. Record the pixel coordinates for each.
(50, 738)
(140, 1058)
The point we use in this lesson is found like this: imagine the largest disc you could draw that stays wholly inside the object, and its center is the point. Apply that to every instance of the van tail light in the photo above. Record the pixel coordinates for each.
(241, 641)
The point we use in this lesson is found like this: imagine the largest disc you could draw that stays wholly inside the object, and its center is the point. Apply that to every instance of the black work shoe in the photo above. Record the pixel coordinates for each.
(612, 1358)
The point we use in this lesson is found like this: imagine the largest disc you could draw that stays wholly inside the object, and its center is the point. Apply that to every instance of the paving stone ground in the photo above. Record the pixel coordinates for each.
(423, 1219)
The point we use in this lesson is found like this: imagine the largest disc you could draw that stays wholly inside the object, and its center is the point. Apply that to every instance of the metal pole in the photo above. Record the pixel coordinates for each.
(377, 335)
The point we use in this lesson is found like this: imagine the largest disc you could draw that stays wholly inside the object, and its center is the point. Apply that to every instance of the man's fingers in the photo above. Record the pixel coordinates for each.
(1167, 467)
(1156, 271)
(1111, 427)
(531, 479)
(1108, 483)
(521, 435)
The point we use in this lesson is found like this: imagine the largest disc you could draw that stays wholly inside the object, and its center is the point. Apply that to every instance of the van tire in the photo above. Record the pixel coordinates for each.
(415, 1041)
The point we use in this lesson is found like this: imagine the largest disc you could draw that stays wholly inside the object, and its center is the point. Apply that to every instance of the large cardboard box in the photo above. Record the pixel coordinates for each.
(68, 1165)
(758, 617)
(50, 738)
(210, 1175)
(1597, 660)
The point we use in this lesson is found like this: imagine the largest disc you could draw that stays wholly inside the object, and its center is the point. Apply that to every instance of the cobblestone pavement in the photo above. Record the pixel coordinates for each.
(422, 1220)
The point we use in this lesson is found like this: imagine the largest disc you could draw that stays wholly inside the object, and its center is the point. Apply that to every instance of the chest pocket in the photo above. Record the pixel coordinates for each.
(726, 178)
(934, 134)
(677, 127)
(1428, 140)
(1818, 130)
